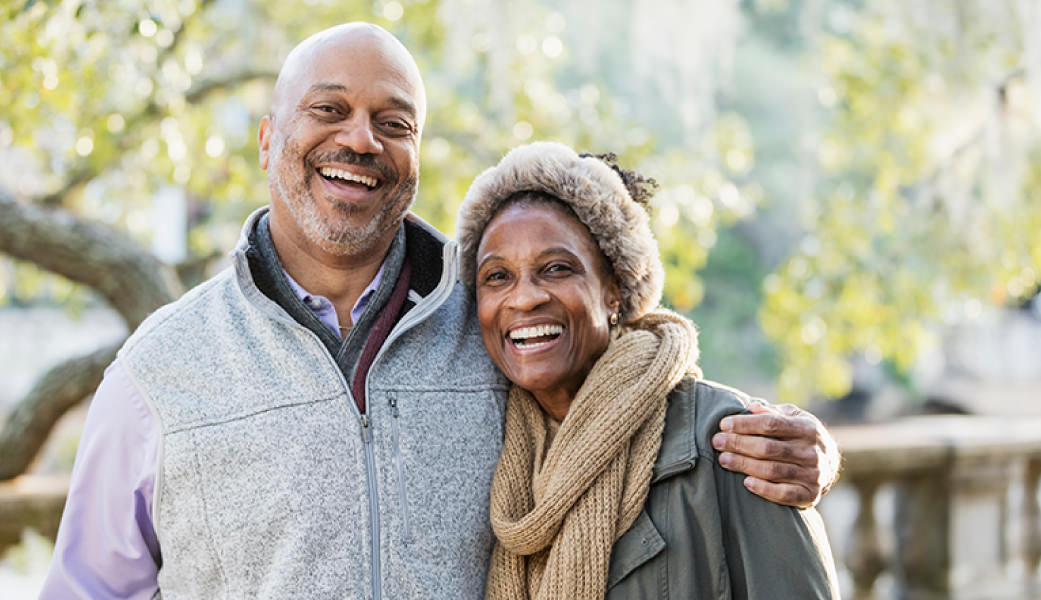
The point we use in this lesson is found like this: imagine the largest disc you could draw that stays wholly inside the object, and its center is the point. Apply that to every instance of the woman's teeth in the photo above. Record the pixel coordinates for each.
(369, 182)
(533, 337)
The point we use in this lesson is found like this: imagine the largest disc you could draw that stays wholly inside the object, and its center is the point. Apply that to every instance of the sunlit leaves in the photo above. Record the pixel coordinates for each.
(106, 104)
(928, 201)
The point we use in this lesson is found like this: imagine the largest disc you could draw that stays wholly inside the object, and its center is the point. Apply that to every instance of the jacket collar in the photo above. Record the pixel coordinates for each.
(679, 449)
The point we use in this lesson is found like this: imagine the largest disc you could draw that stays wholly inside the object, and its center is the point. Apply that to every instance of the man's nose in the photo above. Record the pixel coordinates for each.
(357, 134)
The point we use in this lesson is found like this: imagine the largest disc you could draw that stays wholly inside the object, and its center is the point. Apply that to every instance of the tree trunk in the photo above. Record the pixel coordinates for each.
(133, 281)
(32, 419)
(31, 502)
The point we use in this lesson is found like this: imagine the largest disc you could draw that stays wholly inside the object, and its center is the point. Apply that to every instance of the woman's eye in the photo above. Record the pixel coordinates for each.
(557, 268)
(495, 277)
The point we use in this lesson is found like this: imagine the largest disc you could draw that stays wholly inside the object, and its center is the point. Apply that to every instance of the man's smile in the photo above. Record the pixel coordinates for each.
(338, 175)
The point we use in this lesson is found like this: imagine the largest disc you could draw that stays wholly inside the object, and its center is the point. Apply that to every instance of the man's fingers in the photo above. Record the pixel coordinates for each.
(783, 493)
(788, 410)
(755, 446)
(776, 472)
(761, 408)
(771, 424)
(788, 454)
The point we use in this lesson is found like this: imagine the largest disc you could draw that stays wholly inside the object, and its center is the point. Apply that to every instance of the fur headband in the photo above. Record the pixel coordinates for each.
(598, 198)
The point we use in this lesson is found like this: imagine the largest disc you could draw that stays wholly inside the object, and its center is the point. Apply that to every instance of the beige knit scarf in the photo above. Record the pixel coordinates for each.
(557, 511)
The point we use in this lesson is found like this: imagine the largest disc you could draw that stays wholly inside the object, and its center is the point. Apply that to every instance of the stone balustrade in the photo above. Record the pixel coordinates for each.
(946, 507)
(927, 508)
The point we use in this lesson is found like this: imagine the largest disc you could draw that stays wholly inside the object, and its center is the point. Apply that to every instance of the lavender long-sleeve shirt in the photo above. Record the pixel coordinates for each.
(107, 546)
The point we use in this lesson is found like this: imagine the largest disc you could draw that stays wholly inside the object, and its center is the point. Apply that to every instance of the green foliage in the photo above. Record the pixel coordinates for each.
(732, 346)
(926, 204)
(903, 135)
(107, 103)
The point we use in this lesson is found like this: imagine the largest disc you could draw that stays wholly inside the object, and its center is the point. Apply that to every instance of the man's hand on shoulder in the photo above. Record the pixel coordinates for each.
(787, 453)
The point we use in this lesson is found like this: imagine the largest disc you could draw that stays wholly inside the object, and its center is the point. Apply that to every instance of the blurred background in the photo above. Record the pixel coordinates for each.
(849, 208)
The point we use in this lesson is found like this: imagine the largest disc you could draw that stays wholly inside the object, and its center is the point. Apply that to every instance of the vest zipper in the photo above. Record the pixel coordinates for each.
(399, 467)
(374, 515)
(419, 313)
(366, 434)
(366, 424)
(370, 471)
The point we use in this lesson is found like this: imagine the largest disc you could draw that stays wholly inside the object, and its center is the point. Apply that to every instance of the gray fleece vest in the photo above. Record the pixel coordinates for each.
(270, 484)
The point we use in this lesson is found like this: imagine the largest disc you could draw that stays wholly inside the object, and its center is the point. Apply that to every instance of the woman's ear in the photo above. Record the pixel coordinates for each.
(612, 296)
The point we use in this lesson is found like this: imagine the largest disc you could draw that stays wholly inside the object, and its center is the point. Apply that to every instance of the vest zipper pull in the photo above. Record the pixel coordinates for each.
(366, 434)
(394, 407)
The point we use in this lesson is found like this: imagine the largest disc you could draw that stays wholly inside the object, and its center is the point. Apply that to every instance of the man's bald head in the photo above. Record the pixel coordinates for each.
(345, 42)
(341, 143)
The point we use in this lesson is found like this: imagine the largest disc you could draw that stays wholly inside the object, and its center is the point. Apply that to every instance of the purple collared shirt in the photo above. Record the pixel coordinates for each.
(107, 546)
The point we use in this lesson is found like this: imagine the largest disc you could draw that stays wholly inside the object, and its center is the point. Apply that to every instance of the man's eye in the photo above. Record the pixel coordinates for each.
(398, 127)
(326, 109)
(557, 268)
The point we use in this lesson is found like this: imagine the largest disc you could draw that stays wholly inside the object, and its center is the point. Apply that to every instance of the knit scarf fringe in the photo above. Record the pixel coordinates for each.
(557, 511)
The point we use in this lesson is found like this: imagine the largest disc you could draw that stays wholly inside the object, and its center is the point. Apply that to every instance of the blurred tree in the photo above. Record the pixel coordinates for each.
(904, 136)
(890, 151)
(926, 204)
(104, 106)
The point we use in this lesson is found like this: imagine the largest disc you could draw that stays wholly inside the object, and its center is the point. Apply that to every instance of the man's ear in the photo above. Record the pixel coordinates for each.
(264, 140)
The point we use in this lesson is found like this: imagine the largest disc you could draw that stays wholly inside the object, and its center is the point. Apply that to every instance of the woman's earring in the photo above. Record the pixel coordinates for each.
(614, 318)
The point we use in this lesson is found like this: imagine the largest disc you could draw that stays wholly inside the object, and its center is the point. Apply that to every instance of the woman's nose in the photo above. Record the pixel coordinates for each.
(528, 294)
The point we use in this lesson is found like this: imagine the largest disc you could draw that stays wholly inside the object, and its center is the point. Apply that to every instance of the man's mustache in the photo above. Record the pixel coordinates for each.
(350, 157)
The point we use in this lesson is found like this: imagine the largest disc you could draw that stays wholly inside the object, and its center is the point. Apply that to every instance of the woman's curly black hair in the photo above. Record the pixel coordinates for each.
(640, 188)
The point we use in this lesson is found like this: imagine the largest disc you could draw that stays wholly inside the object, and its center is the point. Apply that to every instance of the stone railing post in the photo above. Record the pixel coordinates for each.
(922, 531)
(981, 476)
(1032, 524)
(958, 531)
(864, 557)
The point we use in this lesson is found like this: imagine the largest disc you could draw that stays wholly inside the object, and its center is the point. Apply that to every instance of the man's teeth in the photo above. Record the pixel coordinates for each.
(524, 333)
(347, 175)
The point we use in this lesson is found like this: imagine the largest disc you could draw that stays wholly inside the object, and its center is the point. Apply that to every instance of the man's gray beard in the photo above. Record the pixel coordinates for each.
(340, 240)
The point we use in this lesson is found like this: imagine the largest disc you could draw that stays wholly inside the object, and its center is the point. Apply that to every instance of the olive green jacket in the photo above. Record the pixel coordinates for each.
(702, 535)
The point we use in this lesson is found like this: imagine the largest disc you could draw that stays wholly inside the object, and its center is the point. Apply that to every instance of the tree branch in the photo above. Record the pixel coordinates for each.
(58, 390)
(152, 111)
(978, 135)
(199, 91)
(133, 281)
(31, 502)
(85, 171)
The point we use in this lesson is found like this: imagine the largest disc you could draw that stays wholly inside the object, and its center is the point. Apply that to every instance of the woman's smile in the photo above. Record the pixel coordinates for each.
(531, 338)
